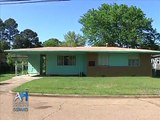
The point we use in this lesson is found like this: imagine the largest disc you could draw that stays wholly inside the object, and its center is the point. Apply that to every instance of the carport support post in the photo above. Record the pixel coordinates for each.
(22, 67)
(16, 66)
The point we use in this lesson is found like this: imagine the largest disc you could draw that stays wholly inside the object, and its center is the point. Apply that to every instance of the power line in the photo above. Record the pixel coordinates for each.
(13, 0)
(8, 2)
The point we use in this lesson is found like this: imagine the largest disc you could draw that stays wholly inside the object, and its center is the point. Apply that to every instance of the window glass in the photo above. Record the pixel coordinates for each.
(133, 61)
(66, 60)
(103, 59)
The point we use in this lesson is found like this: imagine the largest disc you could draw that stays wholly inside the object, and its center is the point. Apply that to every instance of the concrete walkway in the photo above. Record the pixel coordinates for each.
(6, 86)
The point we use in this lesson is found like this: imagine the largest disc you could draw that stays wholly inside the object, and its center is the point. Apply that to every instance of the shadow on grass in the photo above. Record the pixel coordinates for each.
(4, 83)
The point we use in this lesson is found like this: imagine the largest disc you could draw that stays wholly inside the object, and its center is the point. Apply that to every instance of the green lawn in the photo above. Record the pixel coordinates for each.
(4, 77)
(94, 86)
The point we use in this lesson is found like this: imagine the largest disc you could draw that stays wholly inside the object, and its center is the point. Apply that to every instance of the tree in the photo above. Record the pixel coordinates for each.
(10, 30)
(72, 39)
(4, 45)
(53, 42)
(26, 39)
(2, 28)
(151, 40)
(11, 38)
(116, 25)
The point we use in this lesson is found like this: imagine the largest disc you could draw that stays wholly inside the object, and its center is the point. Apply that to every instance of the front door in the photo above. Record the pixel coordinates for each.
(42, 64)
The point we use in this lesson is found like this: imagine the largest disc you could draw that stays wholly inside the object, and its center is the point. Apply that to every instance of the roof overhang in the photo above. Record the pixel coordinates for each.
(81, 50)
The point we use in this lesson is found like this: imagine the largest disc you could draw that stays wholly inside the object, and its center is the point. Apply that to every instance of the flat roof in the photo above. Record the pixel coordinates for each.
(82, 49)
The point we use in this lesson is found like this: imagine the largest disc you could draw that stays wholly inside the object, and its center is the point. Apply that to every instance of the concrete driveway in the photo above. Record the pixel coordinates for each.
(68, 108)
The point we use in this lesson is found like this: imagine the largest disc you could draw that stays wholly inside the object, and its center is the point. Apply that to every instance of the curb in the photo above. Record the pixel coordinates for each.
(85, 96)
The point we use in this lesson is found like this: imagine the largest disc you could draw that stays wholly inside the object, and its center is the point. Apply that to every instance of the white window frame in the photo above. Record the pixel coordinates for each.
(103, 60)
(133, 61)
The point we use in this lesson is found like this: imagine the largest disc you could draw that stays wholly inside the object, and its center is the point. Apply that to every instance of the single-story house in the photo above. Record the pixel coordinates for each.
(89, 61)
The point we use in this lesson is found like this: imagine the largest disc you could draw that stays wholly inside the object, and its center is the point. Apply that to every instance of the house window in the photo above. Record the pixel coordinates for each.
(66, 60)
(103, 59)
(133, 61)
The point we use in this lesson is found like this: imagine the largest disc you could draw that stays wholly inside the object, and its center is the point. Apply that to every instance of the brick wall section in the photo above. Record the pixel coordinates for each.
(92, 57)
(143, 70)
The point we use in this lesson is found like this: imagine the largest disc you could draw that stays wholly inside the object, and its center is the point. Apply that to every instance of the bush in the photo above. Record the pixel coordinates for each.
(5, 68)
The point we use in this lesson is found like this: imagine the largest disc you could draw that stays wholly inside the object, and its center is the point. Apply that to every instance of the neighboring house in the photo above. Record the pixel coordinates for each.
(155, 62)
(89, 61)
(155, 65)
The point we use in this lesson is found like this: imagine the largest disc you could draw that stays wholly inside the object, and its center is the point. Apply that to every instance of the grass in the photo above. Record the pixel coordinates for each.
(94, 86)
(4, 77)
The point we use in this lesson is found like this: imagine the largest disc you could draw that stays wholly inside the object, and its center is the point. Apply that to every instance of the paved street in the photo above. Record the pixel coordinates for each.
(55, 108)
(69, 108)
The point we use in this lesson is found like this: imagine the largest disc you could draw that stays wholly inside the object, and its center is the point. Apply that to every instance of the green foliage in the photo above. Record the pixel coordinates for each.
(117, 25)
(4, 45)
(26, 39)
(10, 60)
(53, 42)
(2, 28)
(73, 40)
(8, 30)
(151, 40)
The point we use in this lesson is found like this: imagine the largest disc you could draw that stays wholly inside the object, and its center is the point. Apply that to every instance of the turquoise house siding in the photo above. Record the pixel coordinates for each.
(34, 64)
(53, 68)
(118, 59)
